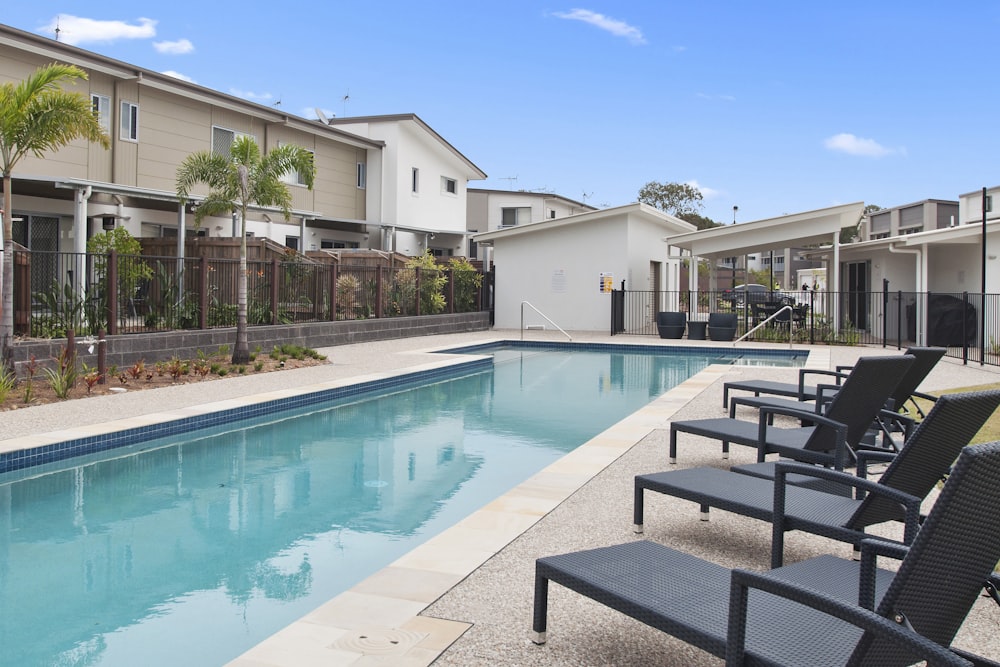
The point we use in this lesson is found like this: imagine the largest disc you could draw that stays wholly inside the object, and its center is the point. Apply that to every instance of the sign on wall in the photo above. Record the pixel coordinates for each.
(607, 282)
(559, 281)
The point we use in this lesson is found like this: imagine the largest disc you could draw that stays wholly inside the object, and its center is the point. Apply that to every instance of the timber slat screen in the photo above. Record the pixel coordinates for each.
(56, 291)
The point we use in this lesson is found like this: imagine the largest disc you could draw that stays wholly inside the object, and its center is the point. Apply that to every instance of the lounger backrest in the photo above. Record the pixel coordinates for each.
(925, 358)
(951, 557)
(929, 452)
(861, 397)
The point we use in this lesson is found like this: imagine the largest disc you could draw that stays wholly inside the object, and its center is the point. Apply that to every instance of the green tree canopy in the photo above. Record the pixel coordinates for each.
(36, 116)
(677, 199)
(243, 179)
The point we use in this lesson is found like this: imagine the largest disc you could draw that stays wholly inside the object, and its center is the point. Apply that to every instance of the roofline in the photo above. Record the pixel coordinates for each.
(653, 214)
(394, 118)
(530, 193)
(116, 68)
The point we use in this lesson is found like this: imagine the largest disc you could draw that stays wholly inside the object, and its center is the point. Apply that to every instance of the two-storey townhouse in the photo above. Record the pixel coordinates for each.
(489, 210)
(155, 121)
(422, 199)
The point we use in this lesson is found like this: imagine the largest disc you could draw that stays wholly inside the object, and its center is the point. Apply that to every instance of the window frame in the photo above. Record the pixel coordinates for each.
(128, 125)
(362, 175)
(101, 104)
(449, 186)
(415, 181)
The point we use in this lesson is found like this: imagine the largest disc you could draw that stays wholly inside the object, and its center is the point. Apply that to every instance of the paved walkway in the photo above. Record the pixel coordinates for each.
(464, 598)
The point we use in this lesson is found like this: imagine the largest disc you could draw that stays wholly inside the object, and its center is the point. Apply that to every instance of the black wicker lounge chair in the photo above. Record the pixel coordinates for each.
(830, 441)
(911, 475)
(809, 613)
(925, 358)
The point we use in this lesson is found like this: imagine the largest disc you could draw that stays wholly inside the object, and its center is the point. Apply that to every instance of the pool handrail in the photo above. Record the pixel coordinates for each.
(525, 303)
(769, 318)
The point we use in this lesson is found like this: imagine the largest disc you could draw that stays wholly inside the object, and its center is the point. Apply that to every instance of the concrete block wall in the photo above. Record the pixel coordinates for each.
(124, 350)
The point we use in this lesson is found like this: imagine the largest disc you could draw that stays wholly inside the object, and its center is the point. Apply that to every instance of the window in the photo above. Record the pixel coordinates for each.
(552, 214)
(130, 122)
(509, 217)
(222, 140)
(449, 185)
(415, 183)
(292, 242)
(293, 177)
(102, 111)
(362, 175)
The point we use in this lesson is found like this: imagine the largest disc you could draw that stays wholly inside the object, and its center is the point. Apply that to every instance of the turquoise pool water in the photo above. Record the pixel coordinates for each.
(190, 549)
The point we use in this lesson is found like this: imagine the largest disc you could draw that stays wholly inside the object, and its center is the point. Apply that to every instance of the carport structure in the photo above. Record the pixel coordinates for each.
(812, 228)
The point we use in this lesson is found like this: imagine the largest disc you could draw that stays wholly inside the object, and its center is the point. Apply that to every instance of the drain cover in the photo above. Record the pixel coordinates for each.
(379, 641)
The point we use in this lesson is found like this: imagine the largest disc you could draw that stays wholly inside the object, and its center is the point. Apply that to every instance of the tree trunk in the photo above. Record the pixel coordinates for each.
(7, 303)
(241, 351)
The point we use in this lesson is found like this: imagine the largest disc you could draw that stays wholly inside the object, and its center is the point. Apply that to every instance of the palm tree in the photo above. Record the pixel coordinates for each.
(243, 179)
(36, 116)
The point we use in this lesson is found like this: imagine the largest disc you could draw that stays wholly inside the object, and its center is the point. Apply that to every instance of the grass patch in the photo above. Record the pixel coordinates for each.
(990, 430)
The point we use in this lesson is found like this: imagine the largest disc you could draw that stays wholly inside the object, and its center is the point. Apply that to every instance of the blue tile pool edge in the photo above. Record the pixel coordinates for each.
(35, 456)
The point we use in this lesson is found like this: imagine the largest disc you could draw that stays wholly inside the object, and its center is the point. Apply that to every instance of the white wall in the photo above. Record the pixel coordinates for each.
(558, 272)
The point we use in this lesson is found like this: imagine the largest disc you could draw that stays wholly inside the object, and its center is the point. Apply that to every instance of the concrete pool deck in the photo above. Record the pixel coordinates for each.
(464, 597)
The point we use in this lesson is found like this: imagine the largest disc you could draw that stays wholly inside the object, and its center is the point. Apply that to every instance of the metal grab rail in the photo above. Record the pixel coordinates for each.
(525, 303)
(791, 314)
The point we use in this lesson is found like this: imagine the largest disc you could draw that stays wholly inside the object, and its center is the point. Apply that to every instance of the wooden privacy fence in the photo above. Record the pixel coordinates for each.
(132, 293)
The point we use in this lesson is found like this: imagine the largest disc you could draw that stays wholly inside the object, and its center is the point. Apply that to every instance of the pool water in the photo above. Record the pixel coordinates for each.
(192, 549)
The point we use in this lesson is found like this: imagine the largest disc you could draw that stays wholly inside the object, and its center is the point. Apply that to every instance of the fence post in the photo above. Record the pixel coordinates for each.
(416, 281)
(102, 357)
(112, 291)
(899, 319)
(378, 291)
(965, 332)
(812, 316)
(885, 311)
(275, 279)
(202, 291)
(333, 292)
(450, 275)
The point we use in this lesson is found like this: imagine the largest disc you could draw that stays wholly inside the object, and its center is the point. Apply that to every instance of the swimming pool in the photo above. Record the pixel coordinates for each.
(251, 528)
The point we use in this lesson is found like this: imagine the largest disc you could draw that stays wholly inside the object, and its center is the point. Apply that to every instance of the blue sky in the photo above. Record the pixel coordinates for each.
(774, 107)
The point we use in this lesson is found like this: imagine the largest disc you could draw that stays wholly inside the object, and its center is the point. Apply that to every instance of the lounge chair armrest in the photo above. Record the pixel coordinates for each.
(824, 394)
(910, 503)
(865, 457)
(842, 451)
(871, 549)
(906, 639)
(926, 397)
(803, 372)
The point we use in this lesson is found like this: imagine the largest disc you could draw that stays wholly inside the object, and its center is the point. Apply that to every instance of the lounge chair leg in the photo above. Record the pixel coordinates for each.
(673, 445)
(704, 512)
(637, 510)
(725, 449)
(541, 609)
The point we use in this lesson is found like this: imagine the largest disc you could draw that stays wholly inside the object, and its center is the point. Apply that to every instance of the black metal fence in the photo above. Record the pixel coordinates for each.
(56, 291)
(967, 323)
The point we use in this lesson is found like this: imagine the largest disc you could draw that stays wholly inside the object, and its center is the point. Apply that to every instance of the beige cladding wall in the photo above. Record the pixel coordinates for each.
(173, 126)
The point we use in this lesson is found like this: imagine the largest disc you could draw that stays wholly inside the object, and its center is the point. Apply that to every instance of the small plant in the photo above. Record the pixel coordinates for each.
(91, 377)
(160, 368)
(30, 369)
(276, 353)
(241, 369)
(223, 350)
(223, 372)
(137, 370)
(176, 368)
(202, 368)
(7, 382)
(258, 365)
(214, 368)
(62, 378)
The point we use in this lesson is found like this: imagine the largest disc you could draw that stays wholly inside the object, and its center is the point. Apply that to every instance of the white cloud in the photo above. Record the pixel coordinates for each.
(724, 98)
(852, 145)
(250, 95)
(614, 26)
(178, 75)
(76, 30)
(175, 48)
(706, 193)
